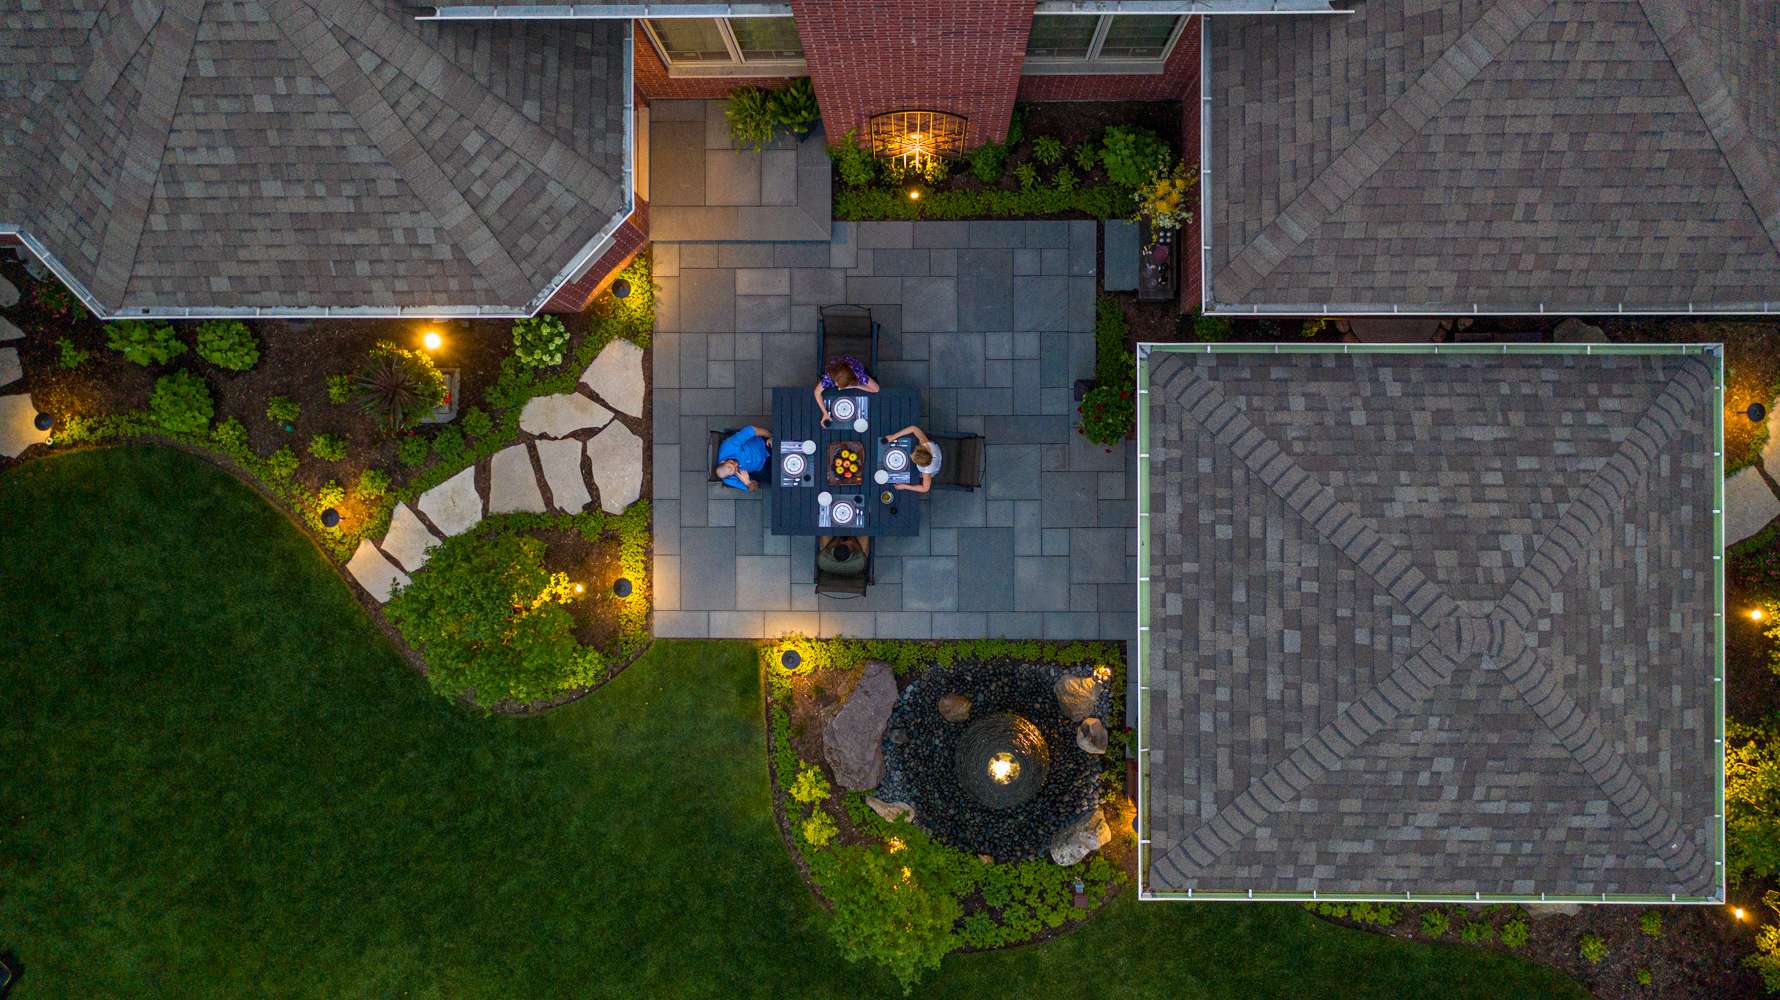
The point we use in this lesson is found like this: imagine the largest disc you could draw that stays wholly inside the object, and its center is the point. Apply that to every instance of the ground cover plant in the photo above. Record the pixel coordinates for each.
(302, 811)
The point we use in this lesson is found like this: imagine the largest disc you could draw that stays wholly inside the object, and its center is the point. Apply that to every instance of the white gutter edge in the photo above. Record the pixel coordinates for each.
(599, 12)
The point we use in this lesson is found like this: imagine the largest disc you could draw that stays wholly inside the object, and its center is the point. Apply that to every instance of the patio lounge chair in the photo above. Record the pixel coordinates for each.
(843, 578)
(713, 441)
(962, 460)
(847, 330)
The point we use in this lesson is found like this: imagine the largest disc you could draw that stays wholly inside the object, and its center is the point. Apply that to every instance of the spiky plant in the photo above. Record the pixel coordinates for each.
(398, 387)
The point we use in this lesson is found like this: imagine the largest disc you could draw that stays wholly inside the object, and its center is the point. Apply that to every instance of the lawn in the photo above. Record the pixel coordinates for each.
(222, 782)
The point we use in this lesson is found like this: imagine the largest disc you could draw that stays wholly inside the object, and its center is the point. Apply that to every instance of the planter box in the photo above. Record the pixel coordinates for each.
(1158, 267)
(445, 412)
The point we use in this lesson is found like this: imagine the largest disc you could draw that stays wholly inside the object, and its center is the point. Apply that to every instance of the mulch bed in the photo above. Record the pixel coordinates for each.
(596, 565)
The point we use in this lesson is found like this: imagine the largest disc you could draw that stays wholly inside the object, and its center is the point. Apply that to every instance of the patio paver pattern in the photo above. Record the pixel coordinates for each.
(992, 322)
(1432, 624)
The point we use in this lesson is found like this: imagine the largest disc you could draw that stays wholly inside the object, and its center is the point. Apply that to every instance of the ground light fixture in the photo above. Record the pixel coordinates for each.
(432, 340)
(330, 518)
(1003, 768)
(790, 659)
(1755, 614)
(914, 194)
(621, 587)
(621, 289)
(43, 422)
(580, 588)
(1756, 412)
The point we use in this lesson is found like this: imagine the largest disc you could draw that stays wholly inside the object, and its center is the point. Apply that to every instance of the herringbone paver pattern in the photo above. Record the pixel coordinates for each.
(1432, 624)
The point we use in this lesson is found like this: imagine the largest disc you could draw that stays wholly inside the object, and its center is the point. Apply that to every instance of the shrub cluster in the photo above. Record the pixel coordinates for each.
(143, 342)
(283, 410)
(1101, 201)
(228, 343)
(328, 447)
(755, 113)
(180, 404)
(539, 341)
(397, 386)
(1109, 410)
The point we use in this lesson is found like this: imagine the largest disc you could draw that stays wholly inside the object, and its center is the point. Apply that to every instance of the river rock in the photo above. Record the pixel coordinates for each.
(1090, 735)
(891, 811)
(852, 742)
(954, 708)
(1080, 697)
(1083, 837)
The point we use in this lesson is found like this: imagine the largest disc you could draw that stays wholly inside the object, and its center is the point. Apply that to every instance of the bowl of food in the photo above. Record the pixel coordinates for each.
(846, 463)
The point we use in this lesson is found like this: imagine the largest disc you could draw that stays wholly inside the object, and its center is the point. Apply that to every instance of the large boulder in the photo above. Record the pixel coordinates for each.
(1087, 834)
(891, 811)
(853, 741)
(1081, 697)
(1090, 735)
(954, 708)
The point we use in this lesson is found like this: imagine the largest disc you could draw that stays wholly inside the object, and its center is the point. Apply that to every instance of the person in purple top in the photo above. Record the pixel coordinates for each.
(844, 372)
(743, 452)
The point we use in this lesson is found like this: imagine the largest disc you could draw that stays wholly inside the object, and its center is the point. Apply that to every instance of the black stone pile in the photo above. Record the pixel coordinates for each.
(941, 767)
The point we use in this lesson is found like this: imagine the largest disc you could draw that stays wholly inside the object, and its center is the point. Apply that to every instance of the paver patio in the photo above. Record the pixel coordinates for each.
(992, 322)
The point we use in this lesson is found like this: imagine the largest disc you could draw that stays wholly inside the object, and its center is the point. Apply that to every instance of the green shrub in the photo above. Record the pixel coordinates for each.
(750, 114)
(448, 444)
(1643, 977)
(181, 404)
(372, 483)
(1133, 156)
(68, 356)
(413, 450)
(539, 341)
(884, 913)
(1766, 960)
(1375, 914)
(282, 464)
(988, 162)
(328, 447)
(793, 107)
(1477, 932)
(855, 163)
(1016, 125)
(1211, 328)
(476, 422)
(490, 621)
(143, 342)
(810, 785)
(331, 494)
(54, 297)
(1650, 922)
(934, 169)
(230, 435)
(1064, 179)
(228, 343)
(1087, 157)
(1101, 201)
(1514, 933)
(1107, 413)
(282, 410)
(1435, 923)
(1592, 948)
(1047, 149)
(819, 829)
(1752, 800)
(340, 388)
(1027, 175)
(398, 387)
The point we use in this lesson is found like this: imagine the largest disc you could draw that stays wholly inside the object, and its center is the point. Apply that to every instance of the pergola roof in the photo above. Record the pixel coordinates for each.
(305, 154)
(1432, 624)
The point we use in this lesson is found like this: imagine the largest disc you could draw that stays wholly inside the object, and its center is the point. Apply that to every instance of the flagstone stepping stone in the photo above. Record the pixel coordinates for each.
(1748, 505)
(562, 415)
(617, 458)
(10, 369)
(8, 331)
(18, 430)
(409, 541)
(617, 376)
(512, 486)
(374, 573)
(561, 461)
(454, 505)
(9, 296)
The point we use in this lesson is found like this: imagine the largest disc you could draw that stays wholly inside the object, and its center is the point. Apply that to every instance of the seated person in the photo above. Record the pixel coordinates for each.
(844, 372)
(842, 556)
(744, 452)
(926, 457)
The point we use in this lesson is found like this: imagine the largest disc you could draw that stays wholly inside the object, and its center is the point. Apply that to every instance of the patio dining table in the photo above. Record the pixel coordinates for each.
(794, 500)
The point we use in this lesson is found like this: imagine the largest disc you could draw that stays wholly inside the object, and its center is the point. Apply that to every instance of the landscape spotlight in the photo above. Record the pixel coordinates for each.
(43, 422)
(621, 587)
(330, 518)
(1755, 614)
(790, 659)
(432, 340)
(620, 289)
(1756, 412)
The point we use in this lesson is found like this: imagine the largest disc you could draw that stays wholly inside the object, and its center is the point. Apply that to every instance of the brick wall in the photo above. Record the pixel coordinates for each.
(1178, 73)
(653, 83)
(871, 56)
(626, 241)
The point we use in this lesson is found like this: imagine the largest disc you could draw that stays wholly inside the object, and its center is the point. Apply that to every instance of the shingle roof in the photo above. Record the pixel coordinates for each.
(308, 153)
(1437, 155)
(1432, 624)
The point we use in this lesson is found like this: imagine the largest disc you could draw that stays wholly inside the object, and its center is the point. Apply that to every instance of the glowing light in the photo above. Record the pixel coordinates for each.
(1739, 913)
(895, 844)
(580, 588)
(1755, 614)
(906, 874)
(1103, 674)
(1003, 768)
(914, 194)
(432, 340)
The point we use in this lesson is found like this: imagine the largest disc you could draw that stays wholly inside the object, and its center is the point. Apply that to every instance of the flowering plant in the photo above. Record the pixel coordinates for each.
(1108, 414)
(1163, 198)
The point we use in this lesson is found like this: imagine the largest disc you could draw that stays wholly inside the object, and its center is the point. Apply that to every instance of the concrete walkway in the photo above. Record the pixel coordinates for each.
(1749, 502)
(573, 449)
(18, 414)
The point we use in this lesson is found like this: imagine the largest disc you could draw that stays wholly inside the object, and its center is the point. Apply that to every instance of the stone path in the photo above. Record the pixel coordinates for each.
(992, 322)
(18, 414)
(574, 447)
(1749, 502)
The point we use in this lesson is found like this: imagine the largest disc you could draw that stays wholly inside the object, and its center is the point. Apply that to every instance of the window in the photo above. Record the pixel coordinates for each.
(727, 46)
(1101, 43)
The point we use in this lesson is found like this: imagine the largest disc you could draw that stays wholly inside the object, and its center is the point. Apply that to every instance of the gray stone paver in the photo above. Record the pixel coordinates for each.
(374, 572)
(615, 456)
(409, 542)
(993, 562)
(561, 462)
(453, 506)
(512, 485)
(562, 414)
(616, 376)
(9, 331)
(10, 368)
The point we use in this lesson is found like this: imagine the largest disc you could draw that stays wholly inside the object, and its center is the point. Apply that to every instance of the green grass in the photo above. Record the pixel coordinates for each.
(221, 782)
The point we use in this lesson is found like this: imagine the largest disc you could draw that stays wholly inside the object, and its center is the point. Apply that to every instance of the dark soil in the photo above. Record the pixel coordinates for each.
(594, 565)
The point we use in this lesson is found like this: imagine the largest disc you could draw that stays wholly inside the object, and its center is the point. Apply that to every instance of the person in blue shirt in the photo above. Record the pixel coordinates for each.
(746, 451)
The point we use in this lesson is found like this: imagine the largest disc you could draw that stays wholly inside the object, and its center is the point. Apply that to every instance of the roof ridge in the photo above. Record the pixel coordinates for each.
(1404, 119)
(110, 55)
(1712, 99)
(170, 53)
(402, 149)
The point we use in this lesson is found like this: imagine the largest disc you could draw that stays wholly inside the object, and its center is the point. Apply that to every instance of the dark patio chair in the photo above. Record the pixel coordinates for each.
(847, 331)
(713, 441)
(838, 579)
(962, 459)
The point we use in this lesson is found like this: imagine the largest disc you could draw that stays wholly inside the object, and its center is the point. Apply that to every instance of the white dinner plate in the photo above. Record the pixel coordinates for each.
(896, 460)
(842, 512)
(845, 408)
(794, 464)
